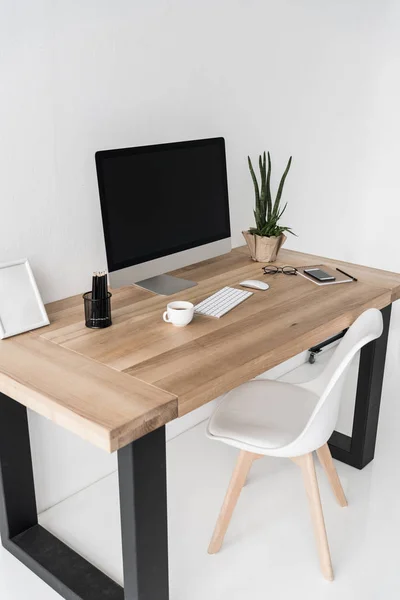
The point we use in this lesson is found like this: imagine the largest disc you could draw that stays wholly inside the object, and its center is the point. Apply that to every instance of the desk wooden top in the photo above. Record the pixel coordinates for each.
(112, 386)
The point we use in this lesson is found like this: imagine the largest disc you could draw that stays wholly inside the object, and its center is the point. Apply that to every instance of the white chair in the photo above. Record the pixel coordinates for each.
(273, 418)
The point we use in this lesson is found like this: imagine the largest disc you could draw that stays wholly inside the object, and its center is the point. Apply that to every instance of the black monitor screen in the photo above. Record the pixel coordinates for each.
(158, 200)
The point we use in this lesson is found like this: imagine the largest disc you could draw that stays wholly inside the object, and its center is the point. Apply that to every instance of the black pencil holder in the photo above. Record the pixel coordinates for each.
(97, 311)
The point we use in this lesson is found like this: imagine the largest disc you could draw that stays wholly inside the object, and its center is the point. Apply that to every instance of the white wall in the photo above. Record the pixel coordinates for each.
(317, 79)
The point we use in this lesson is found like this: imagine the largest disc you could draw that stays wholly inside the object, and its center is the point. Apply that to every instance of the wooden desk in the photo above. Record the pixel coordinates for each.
(118, 387)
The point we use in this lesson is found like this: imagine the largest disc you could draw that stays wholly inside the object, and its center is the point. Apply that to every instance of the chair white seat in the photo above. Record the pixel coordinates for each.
(276, 418)
(262, 415)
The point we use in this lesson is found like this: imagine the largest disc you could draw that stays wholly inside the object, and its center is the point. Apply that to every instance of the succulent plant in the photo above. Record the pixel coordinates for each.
(266, 213)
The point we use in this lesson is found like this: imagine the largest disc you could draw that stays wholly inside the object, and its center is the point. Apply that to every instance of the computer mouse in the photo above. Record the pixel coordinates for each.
(255, 284)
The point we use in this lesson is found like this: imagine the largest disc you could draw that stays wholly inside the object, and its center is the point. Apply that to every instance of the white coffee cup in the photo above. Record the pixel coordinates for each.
(179, 313)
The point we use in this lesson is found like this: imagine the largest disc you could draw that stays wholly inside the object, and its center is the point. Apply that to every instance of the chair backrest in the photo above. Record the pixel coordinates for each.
(329, 384)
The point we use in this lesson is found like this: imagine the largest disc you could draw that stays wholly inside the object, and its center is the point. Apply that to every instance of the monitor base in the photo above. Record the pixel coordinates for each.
(165, 285)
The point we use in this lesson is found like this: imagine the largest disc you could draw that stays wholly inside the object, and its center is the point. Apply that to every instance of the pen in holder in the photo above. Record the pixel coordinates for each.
(98, 304)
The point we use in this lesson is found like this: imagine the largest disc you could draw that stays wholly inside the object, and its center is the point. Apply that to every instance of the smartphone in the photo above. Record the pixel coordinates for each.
(319, 274)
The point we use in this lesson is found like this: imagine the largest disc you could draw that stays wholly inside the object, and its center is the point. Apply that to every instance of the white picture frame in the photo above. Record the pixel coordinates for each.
(21, 306)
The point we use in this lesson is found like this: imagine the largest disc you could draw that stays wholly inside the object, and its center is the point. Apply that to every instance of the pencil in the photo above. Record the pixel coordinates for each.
(94, 286)
(347, 274)
(94, 297)
(103, 295)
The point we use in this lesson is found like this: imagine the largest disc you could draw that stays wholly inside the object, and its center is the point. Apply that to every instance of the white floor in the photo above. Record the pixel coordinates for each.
(269, 550)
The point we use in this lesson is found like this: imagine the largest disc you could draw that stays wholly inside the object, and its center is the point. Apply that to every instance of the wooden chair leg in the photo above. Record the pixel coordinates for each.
(325, 458)
(311, 485)
(236, 484)
(255, 457)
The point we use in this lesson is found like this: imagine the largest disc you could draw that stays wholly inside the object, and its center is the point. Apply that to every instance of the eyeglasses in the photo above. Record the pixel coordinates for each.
(285, 270)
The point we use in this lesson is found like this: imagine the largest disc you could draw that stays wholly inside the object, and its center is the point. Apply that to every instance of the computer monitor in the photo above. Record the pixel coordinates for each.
(163, 207)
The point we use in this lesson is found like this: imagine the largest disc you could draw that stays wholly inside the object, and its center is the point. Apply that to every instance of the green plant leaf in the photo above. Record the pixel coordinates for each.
(256, 217)
(281, 213)
(256, 190)
(268, 188)
(255, 182)
(275, 209)
(262, 192)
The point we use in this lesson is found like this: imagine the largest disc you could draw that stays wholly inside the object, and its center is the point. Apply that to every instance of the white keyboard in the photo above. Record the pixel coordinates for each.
(221, 302)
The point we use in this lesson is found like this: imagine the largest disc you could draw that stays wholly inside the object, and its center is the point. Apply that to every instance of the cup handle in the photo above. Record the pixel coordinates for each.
(165, 317)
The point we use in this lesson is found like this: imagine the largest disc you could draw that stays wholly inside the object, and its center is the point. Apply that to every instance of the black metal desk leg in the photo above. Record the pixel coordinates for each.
(17, 492)
(359, 449)
(73, 577)
(143, 495)
(143, 499)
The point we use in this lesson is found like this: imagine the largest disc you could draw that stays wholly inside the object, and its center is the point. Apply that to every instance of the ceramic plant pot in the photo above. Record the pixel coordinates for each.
(263, 249)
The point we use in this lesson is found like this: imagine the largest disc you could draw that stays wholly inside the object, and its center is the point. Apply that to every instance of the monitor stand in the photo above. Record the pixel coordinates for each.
(165, 285)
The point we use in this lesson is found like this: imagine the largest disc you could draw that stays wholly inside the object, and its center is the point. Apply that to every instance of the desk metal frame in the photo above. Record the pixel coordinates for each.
(143, 497)
(359, 449)
(143, 500)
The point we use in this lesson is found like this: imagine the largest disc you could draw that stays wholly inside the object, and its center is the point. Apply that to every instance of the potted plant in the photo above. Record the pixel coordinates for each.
(265, 240)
